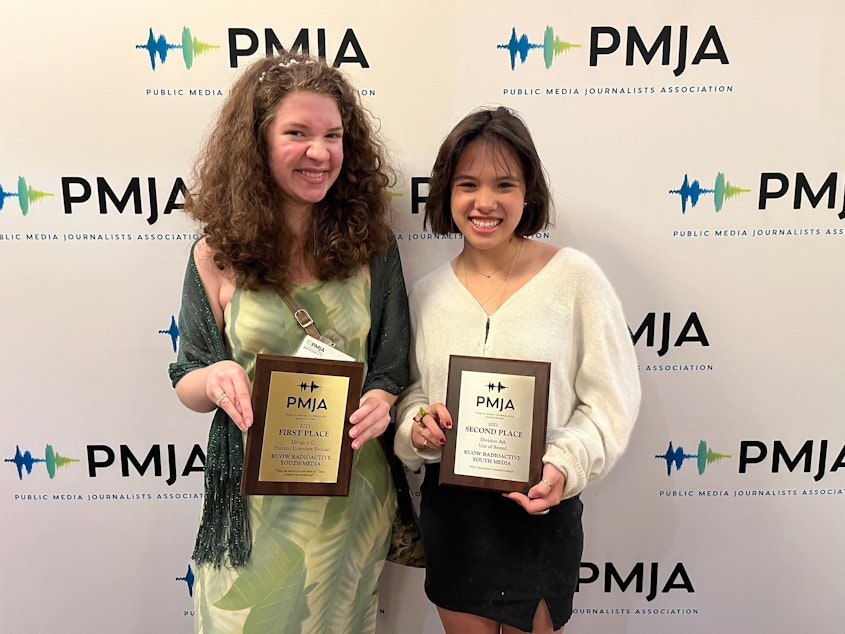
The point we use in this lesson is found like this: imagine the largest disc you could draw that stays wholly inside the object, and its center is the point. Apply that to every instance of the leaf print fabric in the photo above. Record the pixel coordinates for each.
(315, 561)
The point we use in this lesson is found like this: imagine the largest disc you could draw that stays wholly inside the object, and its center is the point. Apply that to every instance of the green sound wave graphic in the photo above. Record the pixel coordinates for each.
(554, 46)
(723, 191)
(706, 456)
(191, 47)
(54, 461)
(27, 195)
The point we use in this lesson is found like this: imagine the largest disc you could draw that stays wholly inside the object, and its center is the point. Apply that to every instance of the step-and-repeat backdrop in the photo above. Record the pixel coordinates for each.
(695, 151)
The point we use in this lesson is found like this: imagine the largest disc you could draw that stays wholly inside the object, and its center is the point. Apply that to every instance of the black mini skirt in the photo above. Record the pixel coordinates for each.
(485, 555)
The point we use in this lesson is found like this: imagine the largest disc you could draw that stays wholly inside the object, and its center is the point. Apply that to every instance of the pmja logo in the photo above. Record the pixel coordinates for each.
(158, 46)
(25, 194)
(670, 46)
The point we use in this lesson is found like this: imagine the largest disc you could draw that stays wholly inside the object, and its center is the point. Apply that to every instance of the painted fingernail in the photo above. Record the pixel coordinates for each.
(443, 440)
(448, 424)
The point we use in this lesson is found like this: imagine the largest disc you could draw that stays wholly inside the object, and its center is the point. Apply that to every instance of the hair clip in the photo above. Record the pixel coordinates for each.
(285, 64)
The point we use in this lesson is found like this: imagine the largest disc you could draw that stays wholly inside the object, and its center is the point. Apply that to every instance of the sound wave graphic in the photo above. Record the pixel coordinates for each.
(188, 579)
(552, 47)
(51, 459)
(519, 47)
(191, 47)
(24, 461)
(25, 194)
(689, 192)
(704, 457)
(722, 191)
(173, 331)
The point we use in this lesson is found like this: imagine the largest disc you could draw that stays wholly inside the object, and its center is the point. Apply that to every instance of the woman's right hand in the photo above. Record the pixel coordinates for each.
(429, 423)
(227, 386)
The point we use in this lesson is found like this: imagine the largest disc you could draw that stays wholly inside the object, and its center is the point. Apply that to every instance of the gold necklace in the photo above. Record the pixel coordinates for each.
(504, 282)
(487, 275)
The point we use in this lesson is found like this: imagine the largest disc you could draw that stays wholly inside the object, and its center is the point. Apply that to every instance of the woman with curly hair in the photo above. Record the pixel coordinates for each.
(291, 191)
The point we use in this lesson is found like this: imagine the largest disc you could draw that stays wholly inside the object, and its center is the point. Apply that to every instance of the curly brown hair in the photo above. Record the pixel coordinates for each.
(236, 199)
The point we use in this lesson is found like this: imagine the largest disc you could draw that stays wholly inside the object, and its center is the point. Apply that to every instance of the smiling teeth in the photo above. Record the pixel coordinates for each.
(312, 174)
(484, 224)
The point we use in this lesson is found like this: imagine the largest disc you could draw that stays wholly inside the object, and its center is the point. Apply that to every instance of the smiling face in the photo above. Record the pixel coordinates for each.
(488, 194)
(305, 148)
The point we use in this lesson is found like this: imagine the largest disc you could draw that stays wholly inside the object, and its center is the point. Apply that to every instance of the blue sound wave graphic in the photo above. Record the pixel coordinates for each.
(722, 191)
(4, 195)
(690, 193)
(674, 456)
(173, 331)
(23, 461)
(190, 46)
(552, 47)
(157, 46)
(51, 460)
(189, 580)
(703, 457)
(519, 47)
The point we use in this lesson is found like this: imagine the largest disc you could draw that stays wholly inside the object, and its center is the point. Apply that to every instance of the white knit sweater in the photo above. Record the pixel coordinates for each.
(567, 314)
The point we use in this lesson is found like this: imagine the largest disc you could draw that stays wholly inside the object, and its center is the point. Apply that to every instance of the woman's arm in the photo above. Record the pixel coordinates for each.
(210, 380)
(423, 352)
(606, 390)
(387, 349)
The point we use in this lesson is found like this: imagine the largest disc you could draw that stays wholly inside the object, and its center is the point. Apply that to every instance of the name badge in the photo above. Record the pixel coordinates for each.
(315, 349)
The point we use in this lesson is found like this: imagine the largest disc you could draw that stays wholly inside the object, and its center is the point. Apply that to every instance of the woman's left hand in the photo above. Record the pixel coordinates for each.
(543, 495)
(371, 418)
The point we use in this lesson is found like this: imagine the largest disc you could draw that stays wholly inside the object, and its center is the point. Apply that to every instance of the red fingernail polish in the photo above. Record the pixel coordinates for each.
(448, 424)
(443, 441)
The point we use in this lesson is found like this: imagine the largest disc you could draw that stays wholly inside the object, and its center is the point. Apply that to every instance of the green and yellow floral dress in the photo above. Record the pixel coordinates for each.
(315, 561)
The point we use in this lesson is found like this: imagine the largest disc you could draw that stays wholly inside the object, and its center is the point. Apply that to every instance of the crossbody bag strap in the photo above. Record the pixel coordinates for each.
(304, 319)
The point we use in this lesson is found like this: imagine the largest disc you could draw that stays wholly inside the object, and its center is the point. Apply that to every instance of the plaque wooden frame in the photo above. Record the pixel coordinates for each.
(266, 366)
(541, 371)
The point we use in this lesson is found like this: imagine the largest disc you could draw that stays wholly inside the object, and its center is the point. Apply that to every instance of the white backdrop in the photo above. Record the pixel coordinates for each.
(725, 513)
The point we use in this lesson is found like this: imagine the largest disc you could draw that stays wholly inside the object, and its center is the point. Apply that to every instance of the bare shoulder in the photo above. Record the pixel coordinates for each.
(204, 259)
(218, 283)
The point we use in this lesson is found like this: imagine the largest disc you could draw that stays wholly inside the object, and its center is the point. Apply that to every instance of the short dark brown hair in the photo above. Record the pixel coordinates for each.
(502, 128)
